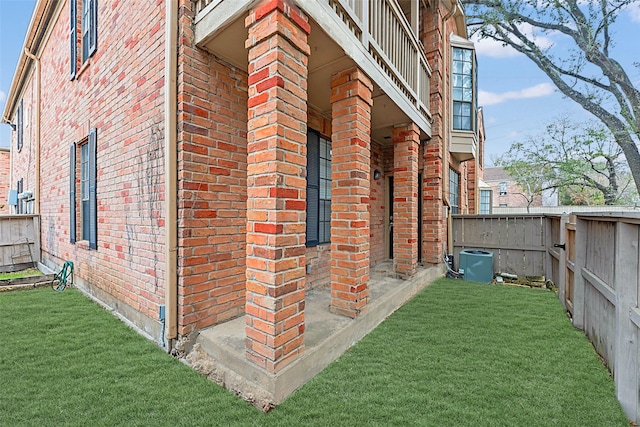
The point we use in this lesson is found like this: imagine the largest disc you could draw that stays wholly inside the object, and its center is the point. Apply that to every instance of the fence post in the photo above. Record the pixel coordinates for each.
(562, 260)
(36, 239)
(578, 280)
(626, 343)
(548, 242)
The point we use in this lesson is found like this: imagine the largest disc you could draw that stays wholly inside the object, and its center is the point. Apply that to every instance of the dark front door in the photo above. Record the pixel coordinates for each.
(390, 201)
(419, 217)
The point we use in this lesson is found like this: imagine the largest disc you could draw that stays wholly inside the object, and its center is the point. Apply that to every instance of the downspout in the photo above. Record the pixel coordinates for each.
(36, 209)
(449, 226)
(445, 120)
(11, 155)
(170, 171)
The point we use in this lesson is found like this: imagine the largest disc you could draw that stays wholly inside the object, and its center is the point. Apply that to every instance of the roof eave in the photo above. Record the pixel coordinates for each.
(35, 33)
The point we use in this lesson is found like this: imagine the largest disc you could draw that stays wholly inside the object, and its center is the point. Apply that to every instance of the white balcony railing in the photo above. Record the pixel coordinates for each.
(383, 30)
(202, 4)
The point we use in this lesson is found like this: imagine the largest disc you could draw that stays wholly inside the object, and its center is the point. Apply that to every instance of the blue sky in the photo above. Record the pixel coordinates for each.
(15, 16)
(517, 98)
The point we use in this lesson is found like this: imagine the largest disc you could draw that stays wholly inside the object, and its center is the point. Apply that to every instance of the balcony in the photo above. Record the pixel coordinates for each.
(377, 35)
(464, 145)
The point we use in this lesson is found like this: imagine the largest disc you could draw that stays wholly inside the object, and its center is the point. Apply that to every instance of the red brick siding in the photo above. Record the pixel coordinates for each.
(435, 165)
(119, 92)
(318, 257)
(5, 185)
(474, 199)
(377, 206)
(24, 161)
(212, 185)
(514, 197)
(437, 158)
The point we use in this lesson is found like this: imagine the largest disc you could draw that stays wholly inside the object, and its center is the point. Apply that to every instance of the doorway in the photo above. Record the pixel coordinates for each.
(420, 218)
(390, 215)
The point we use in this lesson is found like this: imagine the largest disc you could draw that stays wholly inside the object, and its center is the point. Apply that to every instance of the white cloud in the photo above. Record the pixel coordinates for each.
(537, 91)
(3, 96)
(513, 134)
(536, 36)
(634, 11)
(495, 49)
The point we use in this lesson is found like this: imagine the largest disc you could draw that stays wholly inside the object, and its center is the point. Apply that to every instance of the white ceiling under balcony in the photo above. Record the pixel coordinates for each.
(326, 58)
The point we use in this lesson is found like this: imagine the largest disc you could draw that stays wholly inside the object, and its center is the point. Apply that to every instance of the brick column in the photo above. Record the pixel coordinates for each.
(350, 188)
(434, 229)
(406, 140)
(436, 150)
(276, 183)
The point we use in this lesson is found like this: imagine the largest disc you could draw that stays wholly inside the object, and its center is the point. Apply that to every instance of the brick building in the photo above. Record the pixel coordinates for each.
(5, 179)
(506, 193)
(222, 157)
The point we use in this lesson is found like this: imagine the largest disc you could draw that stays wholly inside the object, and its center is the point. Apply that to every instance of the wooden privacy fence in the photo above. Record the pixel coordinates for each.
(602, 292)
(19, 241)
(594, 259)
(518, 241)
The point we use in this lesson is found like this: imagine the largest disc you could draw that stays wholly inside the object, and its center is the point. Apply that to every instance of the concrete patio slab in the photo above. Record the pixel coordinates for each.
(219, 351)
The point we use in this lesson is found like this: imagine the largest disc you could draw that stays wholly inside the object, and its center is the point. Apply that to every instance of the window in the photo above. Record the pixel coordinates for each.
(503, 188)
(84, 189)
(73, 38)
(485, 201)
(318, 189)
(89, 31)
(454, 191)
(86, 216)
(464, 88)
(89, 28)
(20, 126)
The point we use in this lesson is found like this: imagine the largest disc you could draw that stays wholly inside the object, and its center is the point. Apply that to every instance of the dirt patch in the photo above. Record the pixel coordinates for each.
(199, 360)
(21, 283)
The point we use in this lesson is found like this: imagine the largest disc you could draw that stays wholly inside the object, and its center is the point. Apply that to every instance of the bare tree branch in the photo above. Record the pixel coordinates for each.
(604, 88)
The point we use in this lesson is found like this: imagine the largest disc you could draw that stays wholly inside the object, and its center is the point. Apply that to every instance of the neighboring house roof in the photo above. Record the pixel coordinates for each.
(496, 174)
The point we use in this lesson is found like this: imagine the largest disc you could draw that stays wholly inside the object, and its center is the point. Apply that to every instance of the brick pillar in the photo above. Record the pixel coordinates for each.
(435, 150)
(276, 183)
(406, 140)
(350, 187)
(433, 230)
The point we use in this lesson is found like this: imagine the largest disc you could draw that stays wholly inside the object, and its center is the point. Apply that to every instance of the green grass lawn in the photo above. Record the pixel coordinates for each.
(458, 354)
